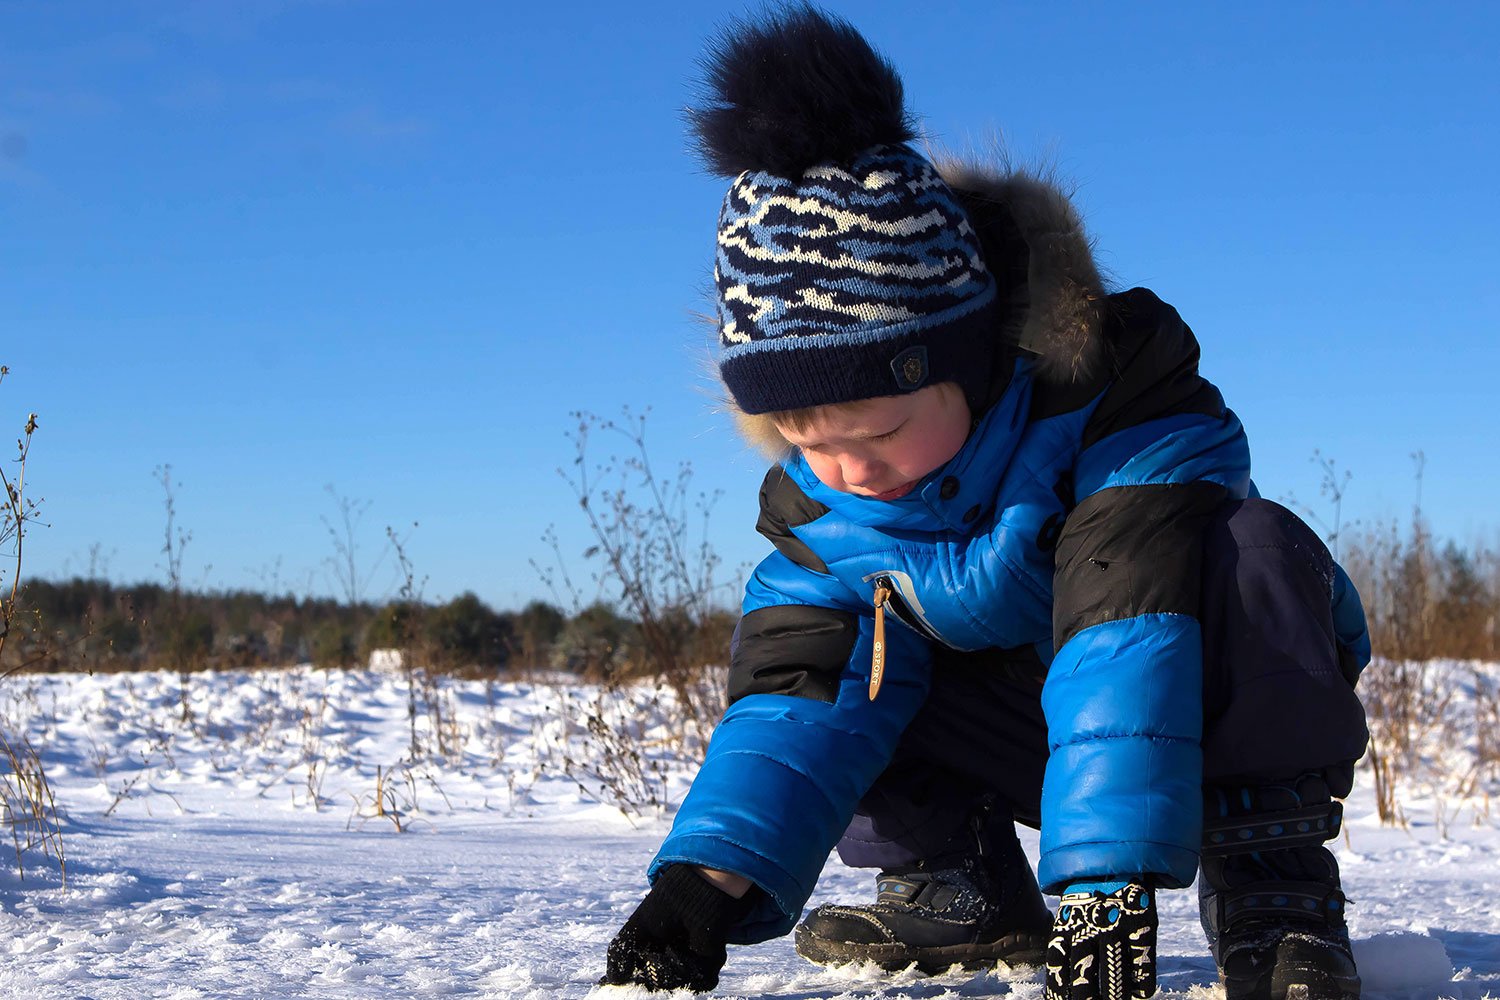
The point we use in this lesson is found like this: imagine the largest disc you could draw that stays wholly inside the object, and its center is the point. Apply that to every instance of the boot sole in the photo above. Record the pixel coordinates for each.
(1020, 948)
(1293, 984)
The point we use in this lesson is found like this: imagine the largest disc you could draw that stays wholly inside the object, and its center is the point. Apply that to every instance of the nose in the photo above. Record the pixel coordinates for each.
(860, 470)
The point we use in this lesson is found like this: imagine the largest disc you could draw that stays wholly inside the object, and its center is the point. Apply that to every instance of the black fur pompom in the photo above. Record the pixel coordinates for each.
(793, 90)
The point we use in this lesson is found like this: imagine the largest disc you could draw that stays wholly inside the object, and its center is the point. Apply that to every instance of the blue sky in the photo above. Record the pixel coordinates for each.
(392, 246)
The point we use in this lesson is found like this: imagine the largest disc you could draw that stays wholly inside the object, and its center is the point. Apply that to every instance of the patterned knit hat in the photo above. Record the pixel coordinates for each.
(846, 268)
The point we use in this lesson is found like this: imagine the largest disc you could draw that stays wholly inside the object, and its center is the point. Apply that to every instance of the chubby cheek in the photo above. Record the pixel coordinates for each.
(826, 469)
(932, 441)
(945, 442)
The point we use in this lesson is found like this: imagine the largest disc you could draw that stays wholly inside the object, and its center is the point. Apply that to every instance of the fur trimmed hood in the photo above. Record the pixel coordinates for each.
(1035, 242)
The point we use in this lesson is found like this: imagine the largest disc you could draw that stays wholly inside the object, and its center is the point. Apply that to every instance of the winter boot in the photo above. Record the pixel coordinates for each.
(973, 904)
(1269, 893)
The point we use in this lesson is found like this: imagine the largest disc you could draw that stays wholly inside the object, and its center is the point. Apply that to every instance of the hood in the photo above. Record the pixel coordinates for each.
(1035, 242)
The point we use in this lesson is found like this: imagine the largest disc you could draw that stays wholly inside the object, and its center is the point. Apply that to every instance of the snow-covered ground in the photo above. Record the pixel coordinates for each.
(253, 852)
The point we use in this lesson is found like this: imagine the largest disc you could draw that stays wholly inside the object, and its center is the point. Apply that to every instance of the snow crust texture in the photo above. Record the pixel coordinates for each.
(245, 853)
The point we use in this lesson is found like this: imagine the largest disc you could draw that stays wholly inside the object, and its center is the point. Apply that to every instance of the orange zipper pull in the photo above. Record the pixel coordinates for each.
(877, 663)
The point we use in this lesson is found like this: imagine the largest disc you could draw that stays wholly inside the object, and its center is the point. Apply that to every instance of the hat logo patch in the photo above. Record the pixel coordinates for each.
(910, 368)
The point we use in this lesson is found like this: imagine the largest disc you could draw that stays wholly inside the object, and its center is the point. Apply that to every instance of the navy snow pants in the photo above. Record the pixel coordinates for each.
(1276, 703)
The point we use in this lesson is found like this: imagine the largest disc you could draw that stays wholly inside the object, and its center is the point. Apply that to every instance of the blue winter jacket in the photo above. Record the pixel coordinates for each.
(1070, 521)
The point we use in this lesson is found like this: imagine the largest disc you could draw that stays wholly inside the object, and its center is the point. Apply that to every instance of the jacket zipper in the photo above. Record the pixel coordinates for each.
(883, 591)
(903, 614)
(886, 594)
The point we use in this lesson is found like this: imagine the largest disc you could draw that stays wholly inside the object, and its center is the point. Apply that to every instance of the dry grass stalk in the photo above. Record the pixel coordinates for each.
(1433, 726)
(26, 802)
(394, 798)
(652, 548)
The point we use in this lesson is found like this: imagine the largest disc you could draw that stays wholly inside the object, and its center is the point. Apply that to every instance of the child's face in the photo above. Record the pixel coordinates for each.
(880, 448)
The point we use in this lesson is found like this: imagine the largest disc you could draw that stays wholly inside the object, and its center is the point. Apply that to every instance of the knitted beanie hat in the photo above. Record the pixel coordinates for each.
(846, 268)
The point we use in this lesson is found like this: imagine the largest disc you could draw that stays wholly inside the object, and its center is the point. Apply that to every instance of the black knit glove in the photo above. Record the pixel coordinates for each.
(1103, 945)
(676, 936)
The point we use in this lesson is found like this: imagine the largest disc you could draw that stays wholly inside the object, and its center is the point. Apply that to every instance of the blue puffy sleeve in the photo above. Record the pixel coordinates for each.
(801, 742)
(1122, 794)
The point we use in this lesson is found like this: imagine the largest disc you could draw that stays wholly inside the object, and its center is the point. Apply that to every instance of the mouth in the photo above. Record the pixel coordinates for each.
(895, 494)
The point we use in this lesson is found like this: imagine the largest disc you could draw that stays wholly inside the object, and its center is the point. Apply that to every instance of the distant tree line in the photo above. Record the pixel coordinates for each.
(1424, 599)
(90, 624)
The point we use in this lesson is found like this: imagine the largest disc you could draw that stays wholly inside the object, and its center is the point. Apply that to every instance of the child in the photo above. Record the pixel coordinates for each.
(1020, 576)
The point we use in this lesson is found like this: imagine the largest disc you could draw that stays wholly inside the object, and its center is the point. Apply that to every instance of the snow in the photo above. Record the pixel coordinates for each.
(253, 852)
(1404, 960)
